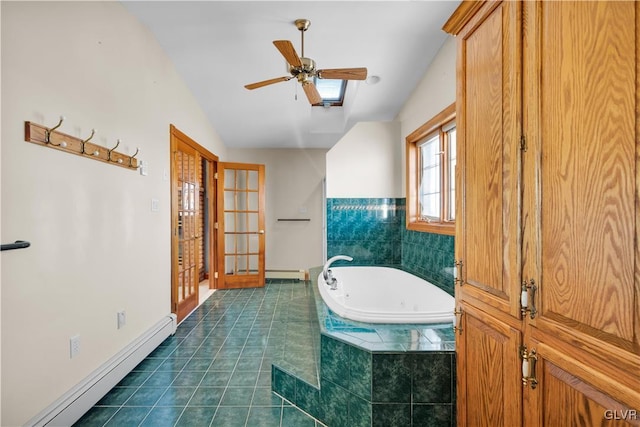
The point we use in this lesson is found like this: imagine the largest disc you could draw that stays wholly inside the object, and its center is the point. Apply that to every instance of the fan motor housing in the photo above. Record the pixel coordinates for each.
(308, 67)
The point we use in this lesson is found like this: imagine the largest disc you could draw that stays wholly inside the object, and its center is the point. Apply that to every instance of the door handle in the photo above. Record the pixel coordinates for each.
(18, 244)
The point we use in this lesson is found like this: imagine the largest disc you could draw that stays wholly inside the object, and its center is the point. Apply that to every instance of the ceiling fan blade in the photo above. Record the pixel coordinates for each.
(267, 82)
(289, 52)
(343, 73)
(312, 92)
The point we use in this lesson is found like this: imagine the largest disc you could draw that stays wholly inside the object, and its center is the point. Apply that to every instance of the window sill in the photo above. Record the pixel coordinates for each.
(449, 229)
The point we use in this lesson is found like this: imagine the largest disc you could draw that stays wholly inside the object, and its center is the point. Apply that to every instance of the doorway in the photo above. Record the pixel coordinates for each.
(241, 203)
(193, 215)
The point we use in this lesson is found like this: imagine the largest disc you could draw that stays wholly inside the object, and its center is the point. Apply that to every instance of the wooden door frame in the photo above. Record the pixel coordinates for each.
(250, 281)
(174, 135)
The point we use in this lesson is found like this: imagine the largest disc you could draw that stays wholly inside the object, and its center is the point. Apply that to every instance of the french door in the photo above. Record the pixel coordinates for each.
(240, 205)
(189, 209)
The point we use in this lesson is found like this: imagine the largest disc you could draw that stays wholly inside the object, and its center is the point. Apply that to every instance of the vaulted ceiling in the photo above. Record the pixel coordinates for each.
(220, 46)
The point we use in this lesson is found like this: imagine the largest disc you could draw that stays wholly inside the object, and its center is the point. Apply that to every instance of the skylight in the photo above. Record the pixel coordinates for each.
(331, 91)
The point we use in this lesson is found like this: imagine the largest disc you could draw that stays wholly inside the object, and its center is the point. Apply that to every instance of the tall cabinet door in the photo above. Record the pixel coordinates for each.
(488, 112)
(487, 371)
(581, 194)
(487, 218)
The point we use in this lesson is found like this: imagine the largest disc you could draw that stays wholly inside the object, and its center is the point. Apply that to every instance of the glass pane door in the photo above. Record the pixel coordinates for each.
(242, 224)
(187, 234)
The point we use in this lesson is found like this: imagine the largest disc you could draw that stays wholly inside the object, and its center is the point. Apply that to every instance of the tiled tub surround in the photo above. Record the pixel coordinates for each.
(430, 256)
(377, 375)
(369, 230)
(373, 232)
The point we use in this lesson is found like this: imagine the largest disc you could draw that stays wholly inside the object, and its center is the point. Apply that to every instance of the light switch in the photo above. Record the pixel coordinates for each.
(143, 168)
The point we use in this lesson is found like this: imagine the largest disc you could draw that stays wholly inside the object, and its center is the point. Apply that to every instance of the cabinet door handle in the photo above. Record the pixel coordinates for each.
(457, 327)
(527, 298)
(529, 367)
(458, 273)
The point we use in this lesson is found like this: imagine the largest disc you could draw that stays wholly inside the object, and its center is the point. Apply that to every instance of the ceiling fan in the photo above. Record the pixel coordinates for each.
(304, 69)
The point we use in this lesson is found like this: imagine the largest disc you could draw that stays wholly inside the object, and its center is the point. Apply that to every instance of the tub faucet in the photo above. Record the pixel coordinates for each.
(326, 273)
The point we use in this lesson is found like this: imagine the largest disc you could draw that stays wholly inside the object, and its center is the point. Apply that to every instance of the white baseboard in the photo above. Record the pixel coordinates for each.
(286, 274)
(71, 406)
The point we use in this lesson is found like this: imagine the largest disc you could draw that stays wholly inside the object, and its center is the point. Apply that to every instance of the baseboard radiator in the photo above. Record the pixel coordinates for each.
(70, 407)
(287, 274)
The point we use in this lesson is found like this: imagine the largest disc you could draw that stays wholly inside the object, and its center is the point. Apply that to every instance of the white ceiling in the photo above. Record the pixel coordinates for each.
(219, 46)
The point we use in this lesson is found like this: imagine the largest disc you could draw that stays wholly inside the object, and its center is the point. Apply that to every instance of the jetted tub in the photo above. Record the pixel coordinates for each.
(386, 295)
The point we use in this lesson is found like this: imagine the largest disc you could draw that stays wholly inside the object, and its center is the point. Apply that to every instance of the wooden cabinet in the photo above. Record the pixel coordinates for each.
(548, 201)
(487, 372)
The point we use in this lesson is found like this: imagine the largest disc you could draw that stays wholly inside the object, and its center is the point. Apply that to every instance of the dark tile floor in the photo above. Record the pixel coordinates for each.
(216, 369)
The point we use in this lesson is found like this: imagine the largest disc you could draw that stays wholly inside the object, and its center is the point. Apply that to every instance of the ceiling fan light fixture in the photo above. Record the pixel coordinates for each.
(308, 67)
(304, 69)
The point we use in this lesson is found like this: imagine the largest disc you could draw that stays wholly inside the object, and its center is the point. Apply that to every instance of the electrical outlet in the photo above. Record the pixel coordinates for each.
(122, 319)
(74, 346)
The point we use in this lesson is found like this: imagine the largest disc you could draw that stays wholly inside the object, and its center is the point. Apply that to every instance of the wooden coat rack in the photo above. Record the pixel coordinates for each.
(49, 137)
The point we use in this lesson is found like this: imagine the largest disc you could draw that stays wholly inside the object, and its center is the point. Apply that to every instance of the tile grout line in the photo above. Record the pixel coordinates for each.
(192, 328)
(198, 338)
(211, 363)
(226, 388)
(263, 354)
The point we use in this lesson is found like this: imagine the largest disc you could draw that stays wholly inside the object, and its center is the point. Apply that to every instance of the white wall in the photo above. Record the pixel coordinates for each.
(369, 161)
(366, 162)
(436, 90)
(96, 246)
(293, 185)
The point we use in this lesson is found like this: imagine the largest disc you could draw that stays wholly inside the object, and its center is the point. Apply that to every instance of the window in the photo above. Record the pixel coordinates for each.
(331, 91)
(431, 163)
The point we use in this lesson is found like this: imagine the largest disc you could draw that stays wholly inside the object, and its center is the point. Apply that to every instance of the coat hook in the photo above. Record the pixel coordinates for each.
(93, 132)
(132, 157)
(47, 133)
(109, 152)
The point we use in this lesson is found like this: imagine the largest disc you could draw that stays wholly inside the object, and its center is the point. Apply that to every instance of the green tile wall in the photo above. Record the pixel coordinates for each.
(430, 256)
(367, 229)
(373, 232)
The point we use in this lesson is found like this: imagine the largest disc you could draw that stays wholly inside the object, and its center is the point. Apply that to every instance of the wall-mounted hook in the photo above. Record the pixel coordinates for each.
(48, 132)
(84, 141)
(133, 157)
(109, 152)
(45, 137)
